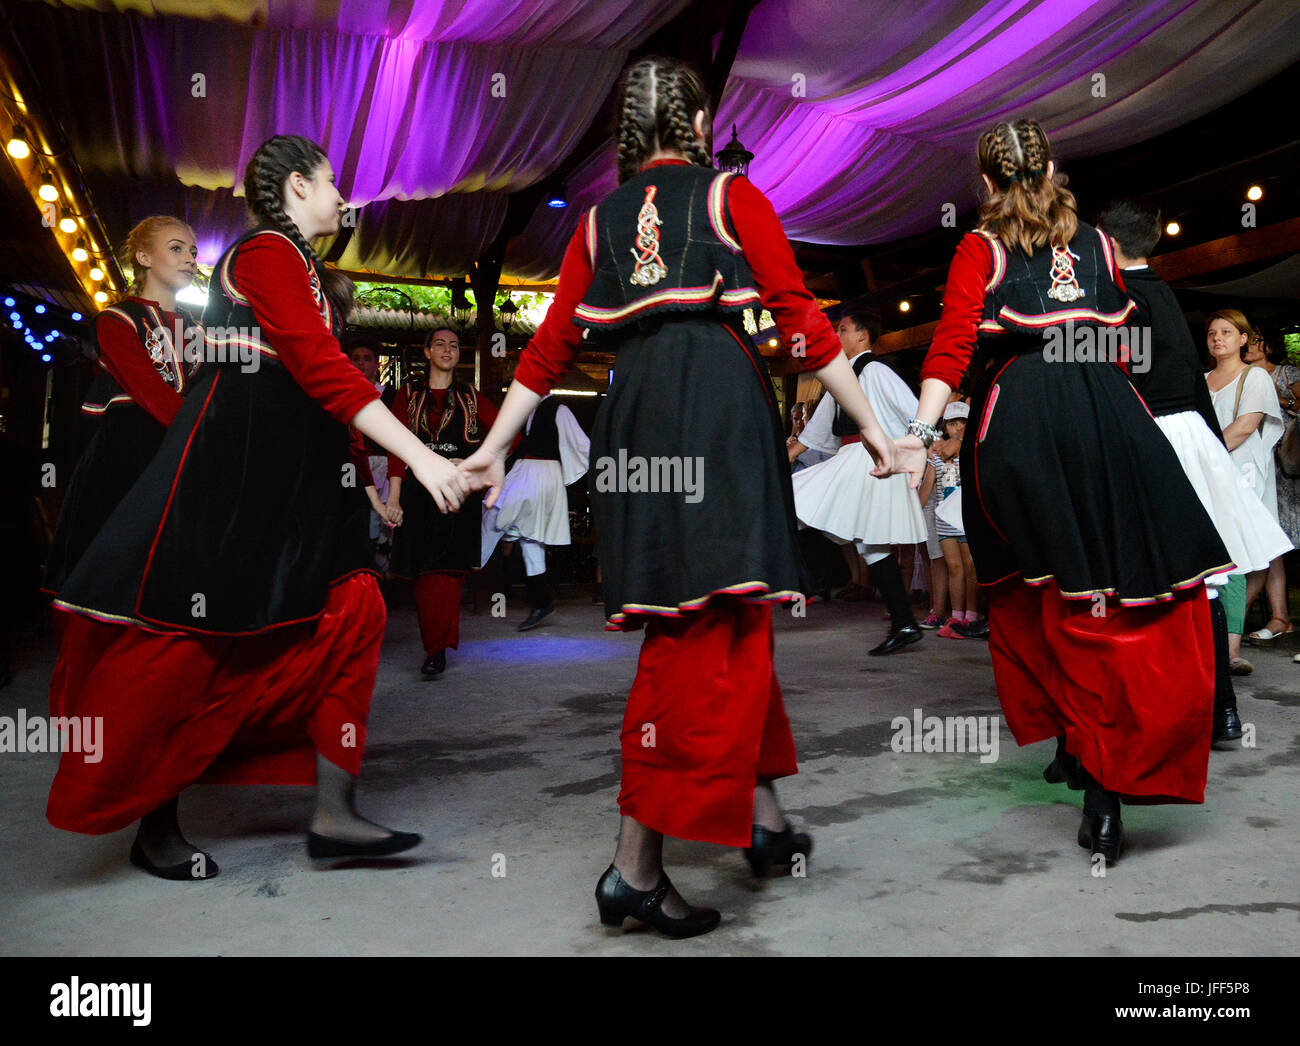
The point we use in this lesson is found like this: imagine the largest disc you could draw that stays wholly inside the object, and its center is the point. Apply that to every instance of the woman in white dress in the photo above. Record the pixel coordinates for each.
(1246, 405)
(1286, 379)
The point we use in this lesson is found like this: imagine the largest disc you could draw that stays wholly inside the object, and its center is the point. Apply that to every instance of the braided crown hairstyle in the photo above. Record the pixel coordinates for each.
(656, 104)
(142, 238)
(1026, 209)
(264, 178)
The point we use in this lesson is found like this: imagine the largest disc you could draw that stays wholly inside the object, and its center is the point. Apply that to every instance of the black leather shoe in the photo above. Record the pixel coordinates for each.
(769, 849)
(1102, 835)
(322, 846)
(1064, 769)
(536, 617)
(435, 665)
(617, 901)
(182, 872)
(1227, 725)
(898, 639)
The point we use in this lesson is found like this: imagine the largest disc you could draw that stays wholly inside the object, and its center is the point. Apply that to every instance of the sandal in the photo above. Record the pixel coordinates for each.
(1266, 635)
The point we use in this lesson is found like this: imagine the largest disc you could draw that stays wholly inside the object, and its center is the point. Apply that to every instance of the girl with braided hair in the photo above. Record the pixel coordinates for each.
(226, 622)
(1100, 628)
(661, 271)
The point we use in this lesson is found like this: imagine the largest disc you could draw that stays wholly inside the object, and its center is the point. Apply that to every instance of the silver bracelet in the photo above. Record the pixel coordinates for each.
(927, 434)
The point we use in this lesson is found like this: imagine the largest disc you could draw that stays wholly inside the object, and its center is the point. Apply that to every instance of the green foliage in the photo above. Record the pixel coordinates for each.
(429, 298)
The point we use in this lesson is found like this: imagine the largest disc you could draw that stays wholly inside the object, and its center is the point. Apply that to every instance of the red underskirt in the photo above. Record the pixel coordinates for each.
(1132, 690)
(180, 709)
(706, 685)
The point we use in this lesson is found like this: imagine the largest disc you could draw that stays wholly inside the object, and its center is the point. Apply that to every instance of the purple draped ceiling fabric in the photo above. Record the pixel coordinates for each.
(863, 116)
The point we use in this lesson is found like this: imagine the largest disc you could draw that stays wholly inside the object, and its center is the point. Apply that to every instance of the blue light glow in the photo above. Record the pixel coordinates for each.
(9, 303)
(76, 317)
(46, 358)
(40, 309)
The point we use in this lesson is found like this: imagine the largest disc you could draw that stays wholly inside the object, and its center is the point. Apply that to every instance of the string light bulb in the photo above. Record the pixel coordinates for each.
(904, 306)
(47, 191)
(19, 148)
(68, 225)
(79, 252)
(1173, 229)
(96, 274)
(1254, 193)
(101, 297)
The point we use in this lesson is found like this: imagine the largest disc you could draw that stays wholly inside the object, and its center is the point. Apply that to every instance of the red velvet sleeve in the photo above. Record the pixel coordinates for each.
(401, 404)
(780, 282)
(963, 305)
(270, 273)
(127, 361)
(555, 345)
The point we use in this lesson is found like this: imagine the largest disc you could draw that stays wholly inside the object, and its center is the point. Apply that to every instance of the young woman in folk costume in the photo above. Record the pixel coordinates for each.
(1085, 533)
(224, 622)
(147, 362)
(434, 548)
(661, 272)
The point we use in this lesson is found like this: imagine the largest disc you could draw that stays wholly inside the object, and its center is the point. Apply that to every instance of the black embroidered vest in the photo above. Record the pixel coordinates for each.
(543, 438)
(232, 327)
(177, 361)
(1029, 295)
(456, 432)
(663, 243)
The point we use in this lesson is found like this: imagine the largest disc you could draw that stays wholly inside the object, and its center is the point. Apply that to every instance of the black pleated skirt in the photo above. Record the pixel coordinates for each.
(1066, 476)
(690, 484)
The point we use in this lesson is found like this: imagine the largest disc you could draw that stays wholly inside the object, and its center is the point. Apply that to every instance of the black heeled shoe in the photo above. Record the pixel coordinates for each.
(1064, 769)
(617, 901)
(1102, 834)
(769, 849)
(434, 665)
(183, 872)
(324, 846)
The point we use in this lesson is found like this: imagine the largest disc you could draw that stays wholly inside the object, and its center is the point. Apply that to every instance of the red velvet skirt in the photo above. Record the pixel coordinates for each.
(180, 709)
(1131, 689)
(704, 721)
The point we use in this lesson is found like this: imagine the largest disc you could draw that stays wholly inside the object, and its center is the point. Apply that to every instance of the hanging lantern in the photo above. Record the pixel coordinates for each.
(508, 310)
(734, 157)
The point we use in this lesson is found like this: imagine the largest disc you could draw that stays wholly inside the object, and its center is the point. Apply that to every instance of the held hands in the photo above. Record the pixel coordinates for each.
(882, 451)
(910, 457)
(441, 479)
(392, 512)
(484, 470)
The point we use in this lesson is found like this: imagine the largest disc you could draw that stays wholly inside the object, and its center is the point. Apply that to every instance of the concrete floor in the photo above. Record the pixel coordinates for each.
(514, 753)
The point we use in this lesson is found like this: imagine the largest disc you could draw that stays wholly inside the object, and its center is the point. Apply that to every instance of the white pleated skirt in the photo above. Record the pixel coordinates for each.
(533, 506)
(841, 498)
(1249, 532)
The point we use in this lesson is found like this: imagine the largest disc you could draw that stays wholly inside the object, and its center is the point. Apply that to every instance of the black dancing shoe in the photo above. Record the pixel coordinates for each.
(1227, 725)
(898, 639)
(617, 901)
(434, 665)
(769, 849)
(183, 872)
(536, 617)
(324, 846)
(1064, 769)
(1103, 835)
